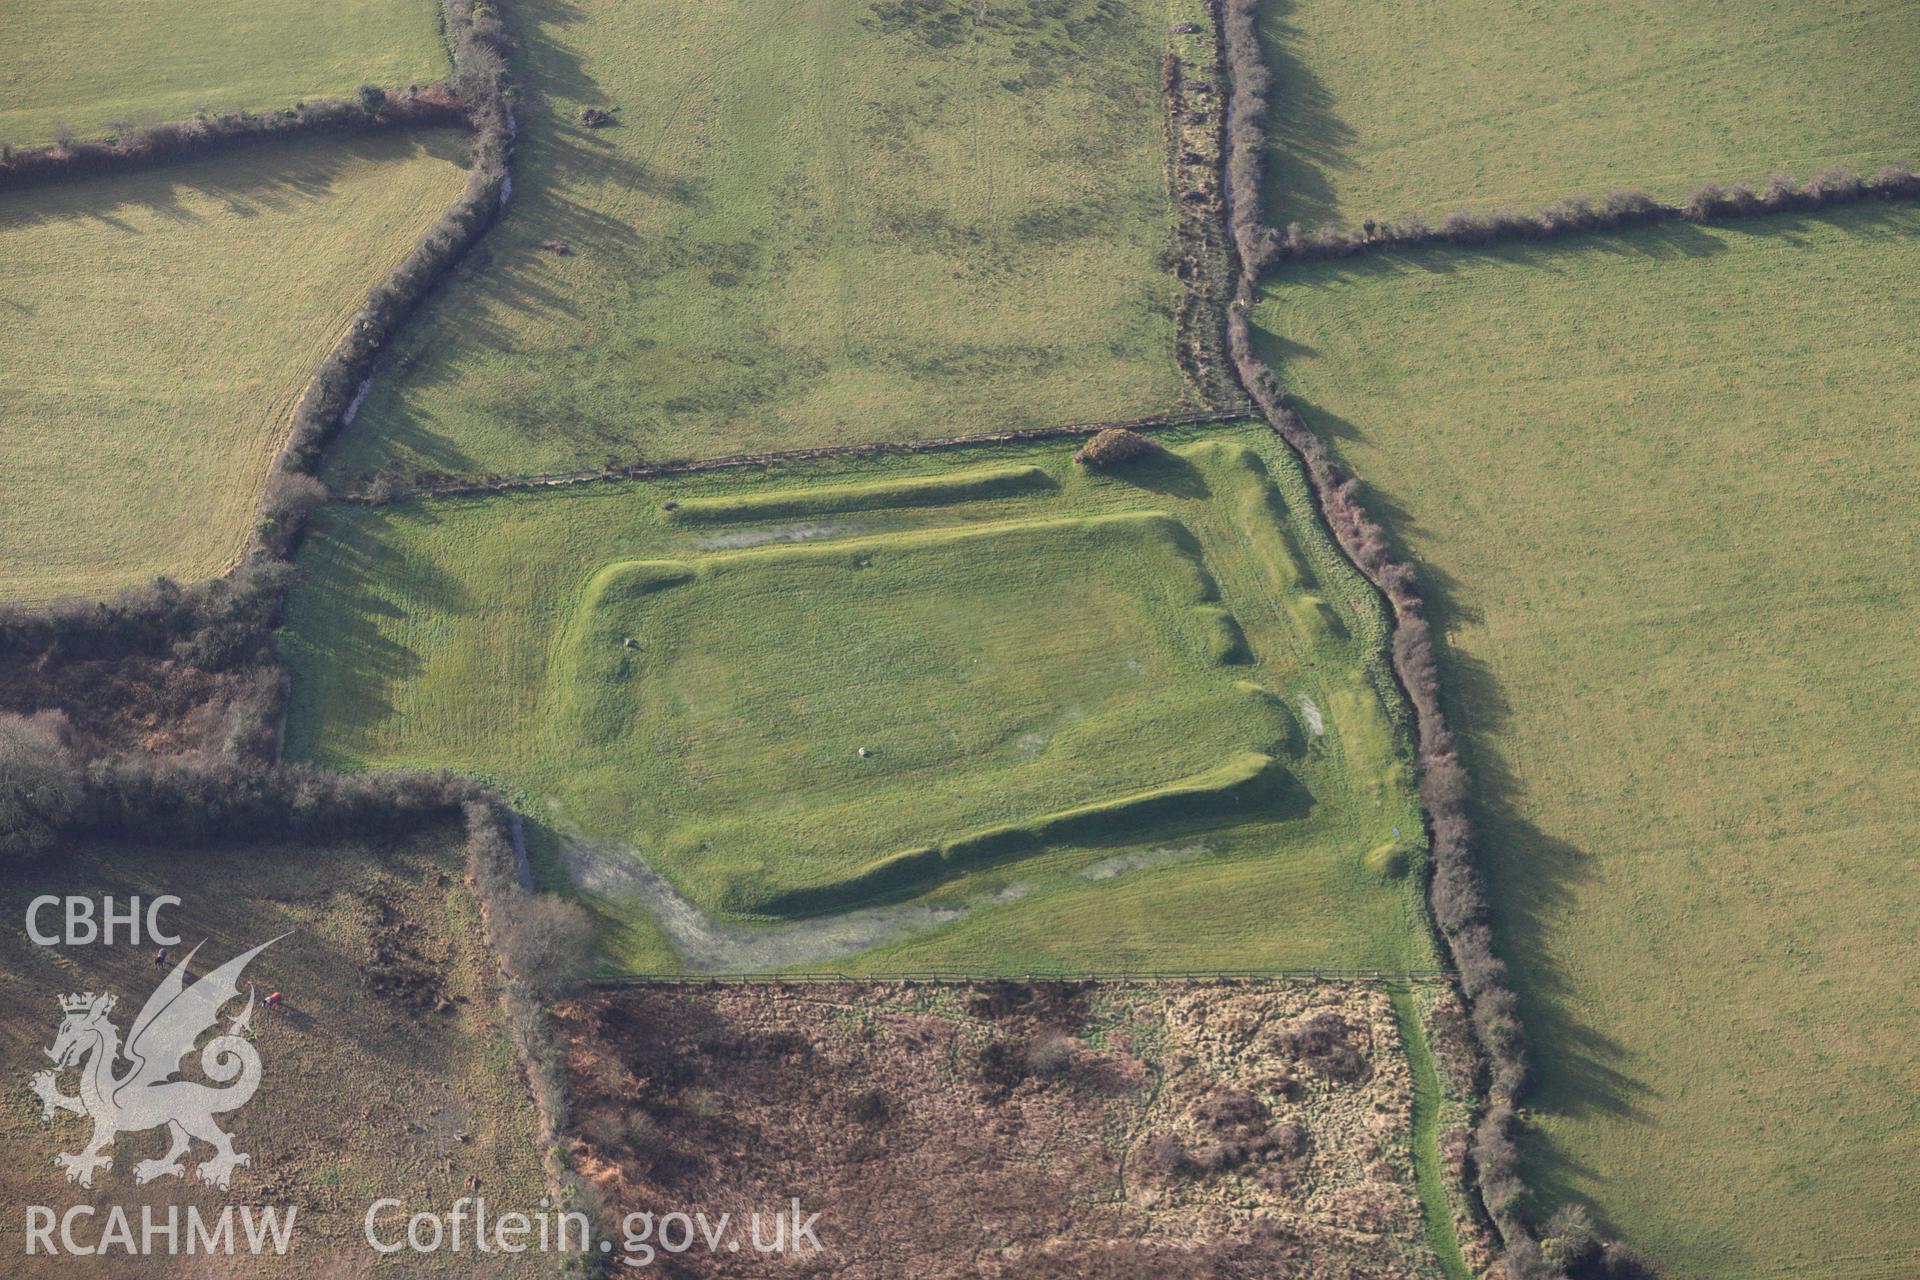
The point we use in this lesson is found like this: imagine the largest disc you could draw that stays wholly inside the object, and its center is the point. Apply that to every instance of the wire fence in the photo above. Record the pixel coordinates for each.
(974, 977)
(692, 466)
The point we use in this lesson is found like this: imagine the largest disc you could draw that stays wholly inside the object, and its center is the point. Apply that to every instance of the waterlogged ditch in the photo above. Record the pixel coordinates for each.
(707, 945)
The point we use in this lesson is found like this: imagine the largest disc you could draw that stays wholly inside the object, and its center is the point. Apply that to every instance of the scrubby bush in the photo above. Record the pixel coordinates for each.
(1324, 1041)
(629, 1131)
(1163, 1156)
(371, 97)
(1049, 1053)
(870, 1107)
(291, 496)
(1617, 1262)
(40, 782)
(1497, 1159)
(1834, 186)
(548, 940)
(1114, 446)
(1895, 181)
(1568, 1242)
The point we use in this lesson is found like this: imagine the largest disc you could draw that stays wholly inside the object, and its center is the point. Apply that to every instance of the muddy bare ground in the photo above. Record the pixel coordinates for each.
(1212, 1129)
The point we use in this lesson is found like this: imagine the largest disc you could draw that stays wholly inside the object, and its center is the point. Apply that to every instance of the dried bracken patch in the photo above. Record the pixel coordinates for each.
(1031, 1129)
(1114, 446)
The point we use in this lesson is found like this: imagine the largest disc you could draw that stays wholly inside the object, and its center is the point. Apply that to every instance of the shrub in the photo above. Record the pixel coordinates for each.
(1498, 1159)
(371, 97)
(1896, 180)
(1324, 1041)
(1163, 1156)
(40, 782)
(870, 1107)
(1251, 81)
(291, 496)
(1114, 446)
(1835, 186)
(1568, 1241)
(1617, 1262)
(1049, 1053)
(630, 1130)
(548, 941)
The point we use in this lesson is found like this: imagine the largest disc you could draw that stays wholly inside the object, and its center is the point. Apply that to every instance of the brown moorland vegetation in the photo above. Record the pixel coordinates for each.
(1034, 1129)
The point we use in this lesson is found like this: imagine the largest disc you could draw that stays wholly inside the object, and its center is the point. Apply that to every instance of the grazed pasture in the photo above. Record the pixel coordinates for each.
(159, 328)
(1381, 110)
(87, 64)
(1664, 483)
(809, 223)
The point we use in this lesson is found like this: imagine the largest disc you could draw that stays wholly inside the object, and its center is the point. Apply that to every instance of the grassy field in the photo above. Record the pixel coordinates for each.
(88, 63)
(700, 691)
(1667, 484)
(1439, 106)
(385, 1072)
(159, 328)
(813, 223)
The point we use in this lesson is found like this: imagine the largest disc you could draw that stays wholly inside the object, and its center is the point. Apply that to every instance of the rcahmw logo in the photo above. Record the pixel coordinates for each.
(145, 1095)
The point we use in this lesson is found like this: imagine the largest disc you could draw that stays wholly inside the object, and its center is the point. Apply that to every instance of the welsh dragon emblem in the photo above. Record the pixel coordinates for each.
(145, 1095)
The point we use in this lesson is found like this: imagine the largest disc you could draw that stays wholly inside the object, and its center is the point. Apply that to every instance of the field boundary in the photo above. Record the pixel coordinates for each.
(1709, 205)
(959, 977)
(1196, 138)
(1457, 905)
(151, 146)
(382, 494)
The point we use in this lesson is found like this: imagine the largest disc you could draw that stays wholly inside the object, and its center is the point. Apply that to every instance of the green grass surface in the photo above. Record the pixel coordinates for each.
(832, 499)
(1429, 1173)
(1036, 677)
(159, 328)
(721, 716)
(1382, 110)
(814, 223)
(1666, 483)
(85, 63)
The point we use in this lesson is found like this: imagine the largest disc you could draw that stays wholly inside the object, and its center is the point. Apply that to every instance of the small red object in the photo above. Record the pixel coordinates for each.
(273, 997)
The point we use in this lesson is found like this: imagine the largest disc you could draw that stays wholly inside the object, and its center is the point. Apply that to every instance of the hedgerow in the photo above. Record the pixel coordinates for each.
(480, 80)
(1247, 67)
(141, 146)
(1576, 215)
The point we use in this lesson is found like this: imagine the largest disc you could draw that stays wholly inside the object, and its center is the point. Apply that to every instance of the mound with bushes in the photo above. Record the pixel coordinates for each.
(1113, 447)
